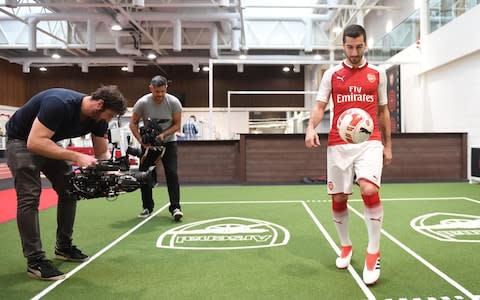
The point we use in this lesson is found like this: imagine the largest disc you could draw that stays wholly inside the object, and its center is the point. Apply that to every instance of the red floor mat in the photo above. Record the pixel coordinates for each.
(8, 203)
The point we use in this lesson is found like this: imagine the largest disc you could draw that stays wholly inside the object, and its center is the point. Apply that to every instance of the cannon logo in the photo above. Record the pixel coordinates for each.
(224, 234)
(449, 227)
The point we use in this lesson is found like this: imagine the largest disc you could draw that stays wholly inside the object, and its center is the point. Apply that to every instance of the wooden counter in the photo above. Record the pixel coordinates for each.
(283, 158)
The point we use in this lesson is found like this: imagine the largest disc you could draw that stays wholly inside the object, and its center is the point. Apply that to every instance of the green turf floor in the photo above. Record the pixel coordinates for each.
(127, 264)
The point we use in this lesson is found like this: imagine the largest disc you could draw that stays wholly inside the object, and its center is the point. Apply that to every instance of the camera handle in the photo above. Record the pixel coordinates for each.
(153, 148)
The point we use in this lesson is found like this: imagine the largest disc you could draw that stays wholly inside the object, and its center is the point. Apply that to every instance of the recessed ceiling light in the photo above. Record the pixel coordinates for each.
(124, 69)
(151, 56)
(205, 68)
(116, 27)
(56, 56)
(286, 69)
(43, 69)
(388, 26)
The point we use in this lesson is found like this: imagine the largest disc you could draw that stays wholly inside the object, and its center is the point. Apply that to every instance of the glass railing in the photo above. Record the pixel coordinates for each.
(408, 31)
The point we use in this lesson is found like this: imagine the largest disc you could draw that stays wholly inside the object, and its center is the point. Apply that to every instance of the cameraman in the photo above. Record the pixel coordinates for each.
(33, 131)
(165, 107)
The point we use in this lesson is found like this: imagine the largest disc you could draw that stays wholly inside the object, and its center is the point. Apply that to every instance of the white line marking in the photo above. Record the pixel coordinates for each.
(83, 265)
(242, 202)
(299, 201)
(473, 200)
(416, 199)
(329, 239)
(422, 260)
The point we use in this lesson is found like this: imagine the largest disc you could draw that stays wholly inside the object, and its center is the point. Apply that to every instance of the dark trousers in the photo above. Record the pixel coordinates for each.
(169, 161)
(26, 167)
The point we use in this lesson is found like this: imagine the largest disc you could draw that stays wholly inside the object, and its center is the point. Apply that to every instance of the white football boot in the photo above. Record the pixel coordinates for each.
(343, 260)
(371, 270)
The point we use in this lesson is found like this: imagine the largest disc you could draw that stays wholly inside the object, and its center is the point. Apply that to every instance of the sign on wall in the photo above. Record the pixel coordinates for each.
(393, 93)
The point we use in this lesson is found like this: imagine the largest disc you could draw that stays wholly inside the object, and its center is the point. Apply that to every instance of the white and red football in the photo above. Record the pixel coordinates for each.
(355, 125)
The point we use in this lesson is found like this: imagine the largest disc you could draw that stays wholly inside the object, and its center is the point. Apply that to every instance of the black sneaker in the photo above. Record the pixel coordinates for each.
(177, 214)
(44, 269)
(144, 213)
(70, 254)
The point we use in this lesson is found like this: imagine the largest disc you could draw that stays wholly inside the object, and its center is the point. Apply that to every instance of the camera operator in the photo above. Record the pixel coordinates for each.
(33, 131)
(161, 106)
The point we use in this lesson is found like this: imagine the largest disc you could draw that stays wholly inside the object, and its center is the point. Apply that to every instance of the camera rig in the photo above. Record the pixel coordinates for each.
(151, 130)
(108, 179)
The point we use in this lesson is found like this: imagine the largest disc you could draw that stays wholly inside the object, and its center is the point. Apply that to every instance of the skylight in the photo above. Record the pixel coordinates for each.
(275, 8)
(22, 11)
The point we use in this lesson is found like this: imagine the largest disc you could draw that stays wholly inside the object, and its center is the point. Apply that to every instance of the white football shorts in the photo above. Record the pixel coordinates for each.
(365, 160)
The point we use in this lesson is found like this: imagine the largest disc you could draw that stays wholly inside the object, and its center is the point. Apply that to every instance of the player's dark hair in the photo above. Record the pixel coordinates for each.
(112, 99)
(354, 31)
(158, 81)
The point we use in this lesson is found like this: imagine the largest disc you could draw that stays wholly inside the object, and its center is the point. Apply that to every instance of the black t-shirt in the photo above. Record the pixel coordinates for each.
(58, 110)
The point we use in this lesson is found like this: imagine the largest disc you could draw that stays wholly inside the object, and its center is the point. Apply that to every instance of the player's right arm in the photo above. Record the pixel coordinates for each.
(134, 119)
(39, 142)
(316, 115)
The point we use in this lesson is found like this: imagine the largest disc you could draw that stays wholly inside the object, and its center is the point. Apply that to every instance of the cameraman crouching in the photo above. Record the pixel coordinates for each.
(48, 117)
(158, 105)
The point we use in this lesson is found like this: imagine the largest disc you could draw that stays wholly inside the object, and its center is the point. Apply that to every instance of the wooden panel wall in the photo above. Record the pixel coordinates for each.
(428, 156)
(259, 78)
(133, 85)
(17, 87)
(12, 84)
(182, 80)
(206, 162)
(416, 157)
(279, 158)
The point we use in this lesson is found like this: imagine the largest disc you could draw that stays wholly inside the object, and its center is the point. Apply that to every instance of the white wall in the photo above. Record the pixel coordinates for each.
(442, 93)
(376, 20)
(457, 39)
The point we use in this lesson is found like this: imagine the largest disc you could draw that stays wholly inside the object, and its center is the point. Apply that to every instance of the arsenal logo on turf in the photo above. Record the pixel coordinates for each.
(371, 78)
(224, 234)
(449, 227)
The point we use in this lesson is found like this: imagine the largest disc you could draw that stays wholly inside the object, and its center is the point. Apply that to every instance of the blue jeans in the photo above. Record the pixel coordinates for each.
(26, 167)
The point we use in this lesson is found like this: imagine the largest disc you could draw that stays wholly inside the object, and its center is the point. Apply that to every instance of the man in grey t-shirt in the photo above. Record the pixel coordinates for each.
(165, 110)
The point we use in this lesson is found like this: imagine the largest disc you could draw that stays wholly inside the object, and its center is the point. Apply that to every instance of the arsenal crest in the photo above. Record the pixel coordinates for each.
(371, 78)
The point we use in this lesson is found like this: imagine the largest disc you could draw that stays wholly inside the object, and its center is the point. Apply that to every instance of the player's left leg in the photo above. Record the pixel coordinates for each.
(339, 184)
(368, 169)
(373, 215)
(340, 219)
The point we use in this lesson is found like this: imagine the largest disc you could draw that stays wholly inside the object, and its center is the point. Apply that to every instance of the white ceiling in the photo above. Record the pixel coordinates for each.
(176, 31)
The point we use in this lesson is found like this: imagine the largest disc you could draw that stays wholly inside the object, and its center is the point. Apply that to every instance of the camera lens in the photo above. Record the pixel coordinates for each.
(134, 151)
(148, 177)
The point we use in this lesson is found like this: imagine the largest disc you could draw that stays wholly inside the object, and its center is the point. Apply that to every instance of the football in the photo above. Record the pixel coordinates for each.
(355, 126)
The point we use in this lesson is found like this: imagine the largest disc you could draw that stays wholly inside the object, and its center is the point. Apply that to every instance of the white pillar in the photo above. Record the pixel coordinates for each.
(177, 35)
(424, 19)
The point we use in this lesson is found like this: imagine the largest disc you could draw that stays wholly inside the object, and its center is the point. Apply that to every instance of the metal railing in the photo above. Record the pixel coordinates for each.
(407, 32)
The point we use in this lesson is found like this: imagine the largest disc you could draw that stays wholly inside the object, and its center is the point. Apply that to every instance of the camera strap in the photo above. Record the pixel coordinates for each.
(160, 149)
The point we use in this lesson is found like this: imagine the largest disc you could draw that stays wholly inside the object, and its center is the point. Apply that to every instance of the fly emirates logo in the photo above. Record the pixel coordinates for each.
(355, 95)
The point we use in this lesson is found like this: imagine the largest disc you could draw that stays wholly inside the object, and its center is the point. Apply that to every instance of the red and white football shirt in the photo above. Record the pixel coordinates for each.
(362, 87)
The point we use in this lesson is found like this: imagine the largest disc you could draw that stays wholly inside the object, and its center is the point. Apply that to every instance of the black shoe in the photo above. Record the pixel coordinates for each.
(70, 254)
(177, 214)
(144, 213)
(44, 269)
